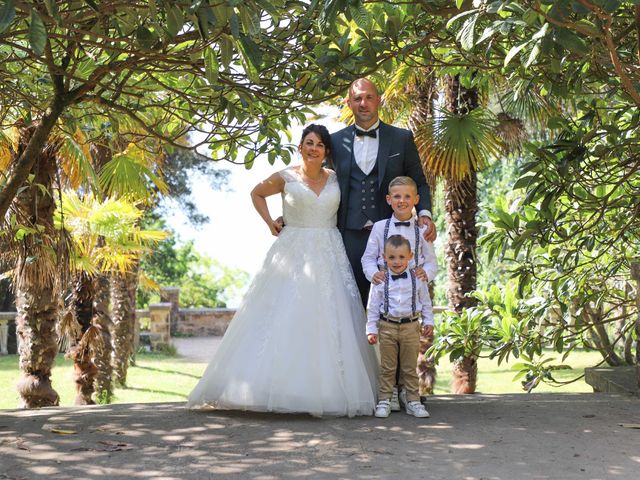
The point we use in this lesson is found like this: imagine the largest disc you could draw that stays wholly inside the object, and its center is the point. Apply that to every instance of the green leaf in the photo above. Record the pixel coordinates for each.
(234, 25)
(52, 8)
(251, 50)
(569, 40)
(513, 52)
(466, 35)
(175, 21)
(459, 4)
(37, 33)
(211, 65)
(7, 14)
(226, 50)
(145, 37)
(611, 6)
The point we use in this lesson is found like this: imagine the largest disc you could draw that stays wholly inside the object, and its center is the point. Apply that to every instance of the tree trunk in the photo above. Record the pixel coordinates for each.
(465, 376)
(102, 319)
(26, 161)
(423, 94)
(84, 369)
(36, 280)
(461, 207)
(123, 317)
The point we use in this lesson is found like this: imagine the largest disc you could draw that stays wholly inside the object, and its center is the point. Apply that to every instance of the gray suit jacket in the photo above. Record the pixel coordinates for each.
(397, 155)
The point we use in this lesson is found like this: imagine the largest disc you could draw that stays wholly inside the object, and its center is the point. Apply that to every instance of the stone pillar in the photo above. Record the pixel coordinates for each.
(159, 331)
(635, 274)
(171, 295)
(4, 336)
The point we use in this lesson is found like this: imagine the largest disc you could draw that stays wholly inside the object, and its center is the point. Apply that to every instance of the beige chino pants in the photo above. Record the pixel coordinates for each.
(403, 341)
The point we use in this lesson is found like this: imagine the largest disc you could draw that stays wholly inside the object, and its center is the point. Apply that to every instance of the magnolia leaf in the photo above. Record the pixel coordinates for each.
(234, 25)
(37, 33)
(175, 21)
(226, 50)
(7, 14)
(52, 8)
(251, 50)
(513, 52)
(467, 32)
(211, 65)
(145, 37)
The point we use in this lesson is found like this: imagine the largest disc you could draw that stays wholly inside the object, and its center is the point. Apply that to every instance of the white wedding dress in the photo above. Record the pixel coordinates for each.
(297, 342)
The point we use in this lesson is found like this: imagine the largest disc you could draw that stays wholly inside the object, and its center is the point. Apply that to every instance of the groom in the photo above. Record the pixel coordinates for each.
(367, 156)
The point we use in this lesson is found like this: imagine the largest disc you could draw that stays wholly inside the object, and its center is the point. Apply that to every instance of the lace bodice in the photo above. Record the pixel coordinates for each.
(301, 207)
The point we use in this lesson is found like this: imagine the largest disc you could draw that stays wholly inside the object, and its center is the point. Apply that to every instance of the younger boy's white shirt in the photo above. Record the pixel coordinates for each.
(372, 258)
(400, 291)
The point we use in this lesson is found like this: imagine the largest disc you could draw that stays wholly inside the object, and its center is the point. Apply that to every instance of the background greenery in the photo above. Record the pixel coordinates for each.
(162, 378)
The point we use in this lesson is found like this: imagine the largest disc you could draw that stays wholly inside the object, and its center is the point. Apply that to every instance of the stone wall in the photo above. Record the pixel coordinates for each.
(203, 321)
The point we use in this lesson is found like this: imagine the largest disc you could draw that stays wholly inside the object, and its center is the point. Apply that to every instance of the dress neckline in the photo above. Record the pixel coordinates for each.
(296, 170)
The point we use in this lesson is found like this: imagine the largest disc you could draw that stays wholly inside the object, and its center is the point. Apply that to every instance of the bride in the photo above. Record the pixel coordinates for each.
(297, 342)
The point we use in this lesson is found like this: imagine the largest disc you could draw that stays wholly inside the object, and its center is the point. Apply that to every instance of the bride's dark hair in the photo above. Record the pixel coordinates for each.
(324, 135)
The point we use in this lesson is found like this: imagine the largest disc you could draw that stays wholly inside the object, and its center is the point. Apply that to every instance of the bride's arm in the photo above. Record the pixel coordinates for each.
(271, 186)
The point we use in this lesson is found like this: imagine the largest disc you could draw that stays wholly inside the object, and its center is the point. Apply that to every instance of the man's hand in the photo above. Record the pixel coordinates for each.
(275, 227)
(377, 278)
(372, 338)
(421, 274)
(427, 330)
(430, 233)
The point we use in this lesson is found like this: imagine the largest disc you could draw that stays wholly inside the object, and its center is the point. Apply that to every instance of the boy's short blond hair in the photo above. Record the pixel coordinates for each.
(403, 181)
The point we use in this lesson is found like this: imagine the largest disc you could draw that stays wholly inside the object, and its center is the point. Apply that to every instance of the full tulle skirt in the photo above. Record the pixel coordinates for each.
(297, 342)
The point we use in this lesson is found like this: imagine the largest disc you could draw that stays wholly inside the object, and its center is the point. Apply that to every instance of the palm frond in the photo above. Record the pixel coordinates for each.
(451, 146)
(128, 174)
(9, 139)
(75, 159)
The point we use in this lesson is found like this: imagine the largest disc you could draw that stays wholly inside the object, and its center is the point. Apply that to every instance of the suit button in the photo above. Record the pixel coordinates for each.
(364, 207)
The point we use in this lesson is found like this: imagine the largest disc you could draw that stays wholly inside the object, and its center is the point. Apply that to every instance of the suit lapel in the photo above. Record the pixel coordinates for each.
(345, 158)
(384, 146)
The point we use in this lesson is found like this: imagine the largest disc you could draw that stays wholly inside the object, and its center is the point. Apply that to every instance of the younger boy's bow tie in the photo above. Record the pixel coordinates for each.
(402, 224)
(369, 133)
(400, 275)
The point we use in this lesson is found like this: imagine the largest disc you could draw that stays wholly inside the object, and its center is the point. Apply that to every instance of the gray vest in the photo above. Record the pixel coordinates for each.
(363, 192)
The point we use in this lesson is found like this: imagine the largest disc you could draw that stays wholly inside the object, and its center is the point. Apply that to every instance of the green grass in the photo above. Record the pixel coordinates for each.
(494, 378)
(162, 378)
(154, 378)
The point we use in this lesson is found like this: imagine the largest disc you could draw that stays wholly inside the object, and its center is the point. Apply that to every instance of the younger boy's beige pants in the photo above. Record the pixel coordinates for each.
(402, 339)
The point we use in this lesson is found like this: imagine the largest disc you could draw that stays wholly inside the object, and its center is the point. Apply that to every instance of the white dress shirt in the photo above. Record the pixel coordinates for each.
(400, 292)
(365, 149)
(372, 260)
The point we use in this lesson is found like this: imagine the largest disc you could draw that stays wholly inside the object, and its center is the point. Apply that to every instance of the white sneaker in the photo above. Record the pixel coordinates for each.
(416, 409)
(395, 403)
(383, 409)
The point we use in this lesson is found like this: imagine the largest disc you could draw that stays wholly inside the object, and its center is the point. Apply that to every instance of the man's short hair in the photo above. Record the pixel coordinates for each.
(407, 181)
(397, 241)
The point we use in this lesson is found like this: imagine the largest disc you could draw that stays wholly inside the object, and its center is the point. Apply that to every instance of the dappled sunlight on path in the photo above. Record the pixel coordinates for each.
(475, 437)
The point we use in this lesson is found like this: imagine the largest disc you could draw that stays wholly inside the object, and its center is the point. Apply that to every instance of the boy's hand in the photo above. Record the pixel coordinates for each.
(377, 278)
(427, 330)
(372, 338)
(421, 274)
(430, 233)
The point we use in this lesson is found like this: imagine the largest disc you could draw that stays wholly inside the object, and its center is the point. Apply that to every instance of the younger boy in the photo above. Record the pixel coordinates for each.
(398, 311)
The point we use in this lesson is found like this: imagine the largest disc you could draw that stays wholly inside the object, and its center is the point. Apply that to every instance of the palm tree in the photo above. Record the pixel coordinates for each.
(33, 245)
(106, 240)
